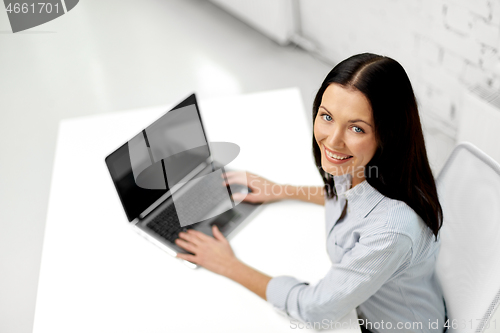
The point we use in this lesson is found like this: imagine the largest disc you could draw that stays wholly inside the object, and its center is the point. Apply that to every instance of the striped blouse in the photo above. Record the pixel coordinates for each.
(383, 258)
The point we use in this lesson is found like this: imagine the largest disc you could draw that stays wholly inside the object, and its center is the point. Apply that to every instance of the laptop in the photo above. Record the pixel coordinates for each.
(169, 180)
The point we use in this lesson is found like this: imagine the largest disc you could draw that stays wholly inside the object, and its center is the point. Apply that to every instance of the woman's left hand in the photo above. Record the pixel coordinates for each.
(213, 253)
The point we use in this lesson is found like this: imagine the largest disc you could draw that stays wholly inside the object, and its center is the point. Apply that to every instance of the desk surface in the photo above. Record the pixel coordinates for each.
(97, 275)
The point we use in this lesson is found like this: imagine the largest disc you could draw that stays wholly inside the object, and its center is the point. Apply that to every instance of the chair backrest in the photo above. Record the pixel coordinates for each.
(468, 266)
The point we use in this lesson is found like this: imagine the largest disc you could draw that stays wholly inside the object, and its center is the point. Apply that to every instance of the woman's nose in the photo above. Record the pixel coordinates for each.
(336, 139)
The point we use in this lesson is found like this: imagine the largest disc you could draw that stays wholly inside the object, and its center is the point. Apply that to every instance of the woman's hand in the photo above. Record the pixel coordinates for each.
(216, 255)
(213, 253)
(263, 190)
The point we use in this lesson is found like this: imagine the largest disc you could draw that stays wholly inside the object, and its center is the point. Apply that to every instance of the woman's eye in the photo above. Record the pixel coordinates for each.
(326, 117)
(357, 129)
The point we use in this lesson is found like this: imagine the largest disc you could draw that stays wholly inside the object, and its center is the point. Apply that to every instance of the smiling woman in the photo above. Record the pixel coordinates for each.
(377, 89)
(383, 215)
(344, 132)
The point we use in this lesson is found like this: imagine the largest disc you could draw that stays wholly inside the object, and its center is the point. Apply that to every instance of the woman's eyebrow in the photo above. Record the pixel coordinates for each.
(322, 107)
(349, 121)
(361, 120)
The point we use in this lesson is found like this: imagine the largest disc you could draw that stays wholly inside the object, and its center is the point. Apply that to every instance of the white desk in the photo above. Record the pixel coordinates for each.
(97, 275)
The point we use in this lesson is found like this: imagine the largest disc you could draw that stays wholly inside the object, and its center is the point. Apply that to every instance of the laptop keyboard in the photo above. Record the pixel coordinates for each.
(167, 225)
(193, 205)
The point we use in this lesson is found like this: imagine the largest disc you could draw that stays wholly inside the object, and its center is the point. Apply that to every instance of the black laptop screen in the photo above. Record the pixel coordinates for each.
(157, 158)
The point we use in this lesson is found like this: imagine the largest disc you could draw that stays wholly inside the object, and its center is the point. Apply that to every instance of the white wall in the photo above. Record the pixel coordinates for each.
(273, 18)
(447, 47)
(444, 45)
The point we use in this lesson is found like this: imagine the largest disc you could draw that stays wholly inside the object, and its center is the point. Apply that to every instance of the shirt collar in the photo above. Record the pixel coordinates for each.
(361, 199)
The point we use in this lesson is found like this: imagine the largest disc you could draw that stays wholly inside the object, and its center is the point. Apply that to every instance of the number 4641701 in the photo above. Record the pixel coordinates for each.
(41, 7)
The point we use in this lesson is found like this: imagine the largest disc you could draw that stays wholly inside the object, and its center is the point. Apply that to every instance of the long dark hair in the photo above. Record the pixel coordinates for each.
(403, 171)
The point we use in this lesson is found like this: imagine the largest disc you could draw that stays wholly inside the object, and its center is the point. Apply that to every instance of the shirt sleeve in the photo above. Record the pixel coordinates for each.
(361, 272)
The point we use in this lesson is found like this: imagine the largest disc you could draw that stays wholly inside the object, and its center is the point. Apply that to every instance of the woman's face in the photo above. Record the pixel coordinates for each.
(344, 131)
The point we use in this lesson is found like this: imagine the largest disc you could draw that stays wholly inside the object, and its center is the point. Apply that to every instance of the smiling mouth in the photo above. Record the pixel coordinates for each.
(335, 156)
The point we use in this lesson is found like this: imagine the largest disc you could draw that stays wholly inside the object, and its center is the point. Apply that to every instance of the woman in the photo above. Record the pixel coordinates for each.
(382, 209)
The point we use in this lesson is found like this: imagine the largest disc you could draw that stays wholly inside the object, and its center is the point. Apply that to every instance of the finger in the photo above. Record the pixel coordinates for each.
(217, 234)
(198, 234)
(237, 179)
(188, 257)
(234, 173)
(240, 196)
(188, 237)
(231, 182)
(185, 245)
(230, 173)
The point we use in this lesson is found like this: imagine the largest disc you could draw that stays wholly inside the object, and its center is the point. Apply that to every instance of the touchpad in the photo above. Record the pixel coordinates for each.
(222, 221)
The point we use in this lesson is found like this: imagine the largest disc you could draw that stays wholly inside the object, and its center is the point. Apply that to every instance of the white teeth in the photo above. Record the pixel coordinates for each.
(336, 156)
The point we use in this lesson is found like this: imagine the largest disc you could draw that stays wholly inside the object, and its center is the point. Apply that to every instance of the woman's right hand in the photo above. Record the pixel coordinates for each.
(263, 190)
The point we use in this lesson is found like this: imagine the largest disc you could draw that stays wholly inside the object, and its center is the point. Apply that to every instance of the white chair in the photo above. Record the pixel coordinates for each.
(468, 266)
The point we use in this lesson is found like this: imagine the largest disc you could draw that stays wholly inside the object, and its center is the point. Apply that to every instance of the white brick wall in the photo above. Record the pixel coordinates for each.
(478, 7)
(463, 45)
(444, 45)
(485, 32)
(457, 18)
(428, 50)
(453, 63)
(494, 16)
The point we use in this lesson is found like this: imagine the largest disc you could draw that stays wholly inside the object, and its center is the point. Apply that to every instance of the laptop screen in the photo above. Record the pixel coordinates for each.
(153, 161)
